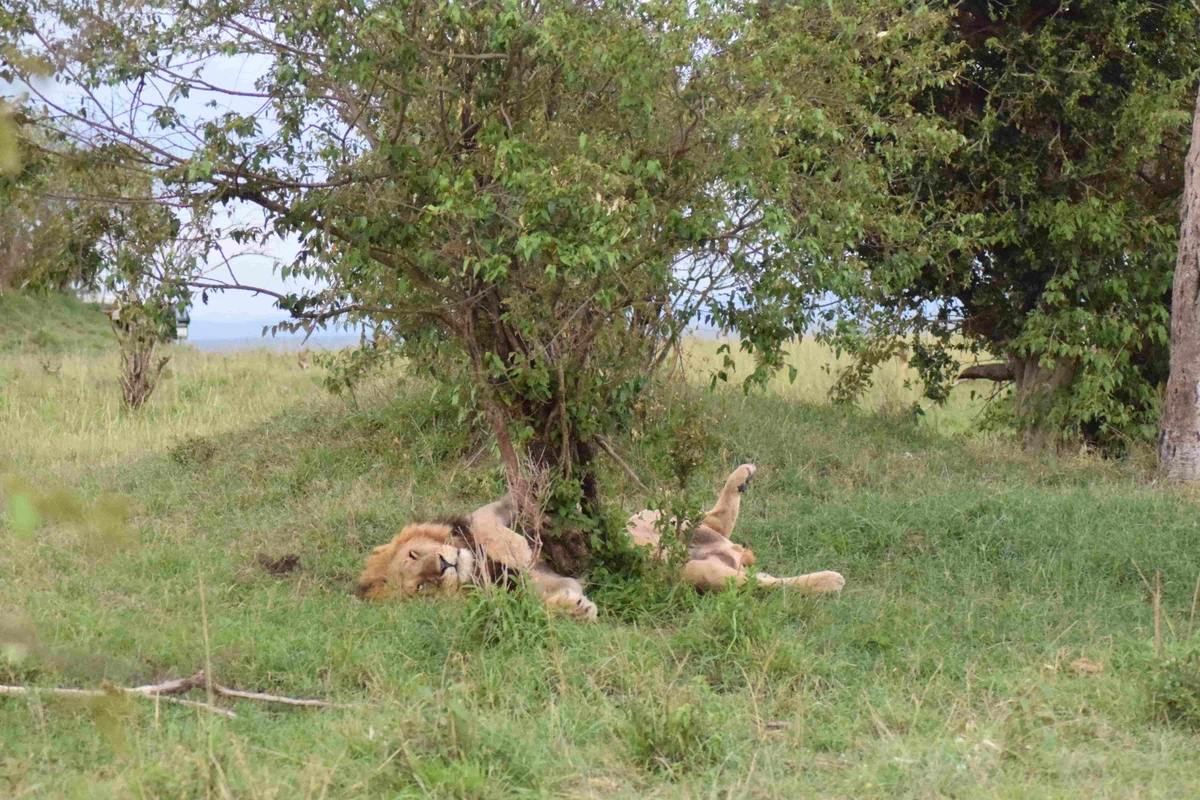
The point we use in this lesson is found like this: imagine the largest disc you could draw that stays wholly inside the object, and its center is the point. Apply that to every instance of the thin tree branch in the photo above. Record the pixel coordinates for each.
(612, 453)
(28, 691)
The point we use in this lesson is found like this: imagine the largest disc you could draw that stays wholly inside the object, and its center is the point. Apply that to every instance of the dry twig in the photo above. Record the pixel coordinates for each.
(1158, 642)
(179, 686)
(61, 692)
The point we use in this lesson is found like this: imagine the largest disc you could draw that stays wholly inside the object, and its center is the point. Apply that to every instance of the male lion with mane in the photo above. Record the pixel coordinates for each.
(479, 549)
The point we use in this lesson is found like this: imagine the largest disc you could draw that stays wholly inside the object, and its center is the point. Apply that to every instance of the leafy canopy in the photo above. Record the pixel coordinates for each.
(1064, 202)
(531, 199)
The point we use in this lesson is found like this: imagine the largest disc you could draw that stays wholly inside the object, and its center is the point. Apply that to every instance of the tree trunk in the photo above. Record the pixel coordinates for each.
(1035, 388)
(139, 372)
(530, 473)
(566, 540)
(1179, 439)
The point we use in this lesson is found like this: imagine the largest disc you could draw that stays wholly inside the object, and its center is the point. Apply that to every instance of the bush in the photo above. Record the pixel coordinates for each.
(193, 451)
(1175, 685)
(677, 731)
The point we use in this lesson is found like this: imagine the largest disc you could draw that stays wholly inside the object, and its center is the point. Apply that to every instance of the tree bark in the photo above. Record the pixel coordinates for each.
(565, 545)
(1179, 438)
(1035, 388)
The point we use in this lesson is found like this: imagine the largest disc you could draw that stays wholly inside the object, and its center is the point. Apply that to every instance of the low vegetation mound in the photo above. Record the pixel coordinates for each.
(52, 324)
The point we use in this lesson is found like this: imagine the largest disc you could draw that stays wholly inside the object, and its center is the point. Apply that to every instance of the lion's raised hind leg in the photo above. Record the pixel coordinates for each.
(723, 515)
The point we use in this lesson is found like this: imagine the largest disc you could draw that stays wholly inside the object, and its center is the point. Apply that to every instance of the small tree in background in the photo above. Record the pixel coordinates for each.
(147, 254)
(139, 328)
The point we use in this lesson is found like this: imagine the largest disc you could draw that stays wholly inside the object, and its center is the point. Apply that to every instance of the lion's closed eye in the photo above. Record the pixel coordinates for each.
(412, 554)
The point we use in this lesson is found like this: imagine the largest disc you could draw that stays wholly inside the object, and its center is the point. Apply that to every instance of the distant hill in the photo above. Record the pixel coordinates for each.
(51, 323)
(245, 333)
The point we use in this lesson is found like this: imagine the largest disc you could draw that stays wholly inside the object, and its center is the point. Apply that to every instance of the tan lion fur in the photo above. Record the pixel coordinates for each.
(446, 557)
(433, 556)
(713, 560)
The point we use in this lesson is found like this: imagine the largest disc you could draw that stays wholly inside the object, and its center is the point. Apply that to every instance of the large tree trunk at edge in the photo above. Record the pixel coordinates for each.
(1179, 439)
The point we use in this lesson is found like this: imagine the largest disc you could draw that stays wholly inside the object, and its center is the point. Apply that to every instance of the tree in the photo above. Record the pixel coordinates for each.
(47, 237)
(1059, 212)
(532, 200)
(54, 236)
(147, 254)
(1179, 443)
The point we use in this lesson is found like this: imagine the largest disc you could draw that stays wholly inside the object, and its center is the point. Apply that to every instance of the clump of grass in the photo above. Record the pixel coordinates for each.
(737, 620)
(193, 451)
(676, 732)
(1174, 685)
(464, 758)
(504, 617)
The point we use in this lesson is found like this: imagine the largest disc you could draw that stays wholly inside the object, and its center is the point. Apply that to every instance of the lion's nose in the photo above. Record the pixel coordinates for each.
(444, 563)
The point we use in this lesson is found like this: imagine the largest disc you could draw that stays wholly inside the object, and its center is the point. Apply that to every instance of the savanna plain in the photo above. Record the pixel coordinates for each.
(995, 637)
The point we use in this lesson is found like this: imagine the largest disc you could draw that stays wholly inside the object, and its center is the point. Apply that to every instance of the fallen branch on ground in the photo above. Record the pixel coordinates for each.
(179, 686)
(116, 692)
(225, 691)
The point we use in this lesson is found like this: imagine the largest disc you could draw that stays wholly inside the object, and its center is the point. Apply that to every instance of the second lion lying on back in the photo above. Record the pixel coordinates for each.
(713, 558)
(478, 549)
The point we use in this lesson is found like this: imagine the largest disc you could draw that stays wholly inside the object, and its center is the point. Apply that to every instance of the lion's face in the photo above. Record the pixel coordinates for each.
(428, 563)
(423, 558)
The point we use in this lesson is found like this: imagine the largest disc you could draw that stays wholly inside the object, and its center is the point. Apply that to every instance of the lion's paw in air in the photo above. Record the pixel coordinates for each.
(742, 476)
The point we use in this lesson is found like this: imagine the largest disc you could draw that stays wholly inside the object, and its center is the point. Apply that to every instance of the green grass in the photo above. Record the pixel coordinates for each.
(51, 325)
(975, 574)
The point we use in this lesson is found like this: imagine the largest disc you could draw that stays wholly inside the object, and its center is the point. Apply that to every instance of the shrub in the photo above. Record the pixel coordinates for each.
(193, 451)
(1175, 685)
(676, 732)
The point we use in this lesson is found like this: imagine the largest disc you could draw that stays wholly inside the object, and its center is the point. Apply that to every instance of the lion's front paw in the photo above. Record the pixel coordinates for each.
(828, 581)
(584, 609)
(742, 476)
(572, 604)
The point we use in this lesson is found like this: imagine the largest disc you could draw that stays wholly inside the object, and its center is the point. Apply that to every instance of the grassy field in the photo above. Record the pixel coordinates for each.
(977, 578)
(50, 325)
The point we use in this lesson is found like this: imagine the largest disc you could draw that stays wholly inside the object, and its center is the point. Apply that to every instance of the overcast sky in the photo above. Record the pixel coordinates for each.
(230, 314)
